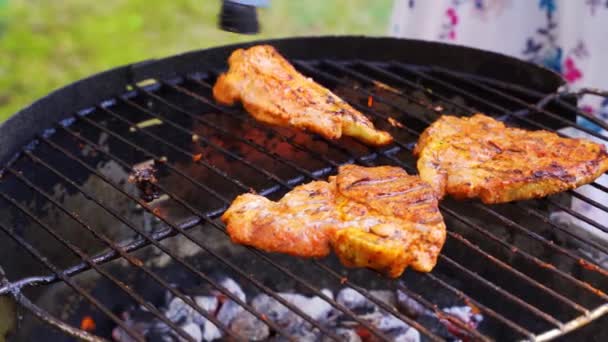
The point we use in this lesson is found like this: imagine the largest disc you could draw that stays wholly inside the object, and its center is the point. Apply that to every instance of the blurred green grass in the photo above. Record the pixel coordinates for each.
(48, 44)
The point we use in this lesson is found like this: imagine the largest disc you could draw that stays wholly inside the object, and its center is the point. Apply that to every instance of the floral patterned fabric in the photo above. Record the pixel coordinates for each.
(568, 36)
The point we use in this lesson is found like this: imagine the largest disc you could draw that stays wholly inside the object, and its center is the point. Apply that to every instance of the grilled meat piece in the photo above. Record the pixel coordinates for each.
(296, 225)
(377, 217)
(479, 156)
(272, 91)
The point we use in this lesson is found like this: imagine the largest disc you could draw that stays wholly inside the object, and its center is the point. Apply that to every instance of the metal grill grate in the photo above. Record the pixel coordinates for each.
(493, 260)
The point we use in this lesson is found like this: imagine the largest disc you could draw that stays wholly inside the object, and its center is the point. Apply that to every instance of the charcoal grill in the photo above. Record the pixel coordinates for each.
(70, 222)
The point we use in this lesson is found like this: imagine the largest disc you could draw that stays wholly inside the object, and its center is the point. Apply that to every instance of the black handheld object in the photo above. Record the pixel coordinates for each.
(239, 16)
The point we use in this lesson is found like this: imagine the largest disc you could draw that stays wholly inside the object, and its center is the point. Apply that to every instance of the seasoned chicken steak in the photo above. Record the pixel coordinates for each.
(375, 217)
(479, 156)
(272, 91)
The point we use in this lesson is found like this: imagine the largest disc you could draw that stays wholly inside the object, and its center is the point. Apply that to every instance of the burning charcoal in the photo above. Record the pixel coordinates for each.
(142, 322)
(295, 325)
(229, 311)
(386, 296)
(180, 312)
(193, 330)
(466, 314)
(233, 287)
(315, 307)
(144, 177)
(408, 305)
(230, 308)
(352, 299)
(392, 326)
(209, 304)
(210, 331)
(249, 327)
(274, 310)
(328, 293)
(346, 335)
(411, 335)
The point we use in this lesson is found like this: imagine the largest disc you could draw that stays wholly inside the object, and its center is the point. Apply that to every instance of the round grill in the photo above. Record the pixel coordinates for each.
(78, 242)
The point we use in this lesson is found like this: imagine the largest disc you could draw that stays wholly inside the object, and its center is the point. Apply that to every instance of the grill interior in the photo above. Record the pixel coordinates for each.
(67, 208)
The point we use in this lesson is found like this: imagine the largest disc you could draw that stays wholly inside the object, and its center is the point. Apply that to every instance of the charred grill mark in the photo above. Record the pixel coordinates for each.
(398, 193)
(428, 198)
(554, 170)
(369, 181)
(493, 144)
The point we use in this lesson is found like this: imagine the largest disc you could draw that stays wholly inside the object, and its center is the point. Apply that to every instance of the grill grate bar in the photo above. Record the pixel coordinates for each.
(502, 109)
(224, 132)
(510, 97)
(581, 92)
(440, 314)
(579, 216)
(36, 254)
(361, 290)
(532, 258)
(498, 289)
(149, 154)
(202, 139)
(46, 317)
(198, 243)
(77, 251)
(492, 212)
(229, 112)
(479, 305)
(317, 292)
(201, 161)
(548, 221)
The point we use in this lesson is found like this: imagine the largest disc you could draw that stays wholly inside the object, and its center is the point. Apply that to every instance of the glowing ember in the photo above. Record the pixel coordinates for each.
(87, 324)
(394, 122)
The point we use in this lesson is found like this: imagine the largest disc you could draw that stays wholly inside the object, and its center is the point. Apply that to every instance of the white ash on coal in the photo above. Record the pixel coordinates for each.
(466, 314)
(243, 323)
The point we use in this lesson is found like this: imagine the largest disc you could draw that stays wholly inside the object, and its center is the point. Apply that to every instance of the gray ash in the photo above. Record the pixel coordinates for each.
(243, 323)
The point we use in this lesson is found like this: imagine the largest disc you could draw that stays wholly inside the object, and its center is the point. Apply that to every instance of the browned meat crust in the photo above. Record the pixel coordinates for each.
(272, 91)
(377, 217)
(481, 157)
